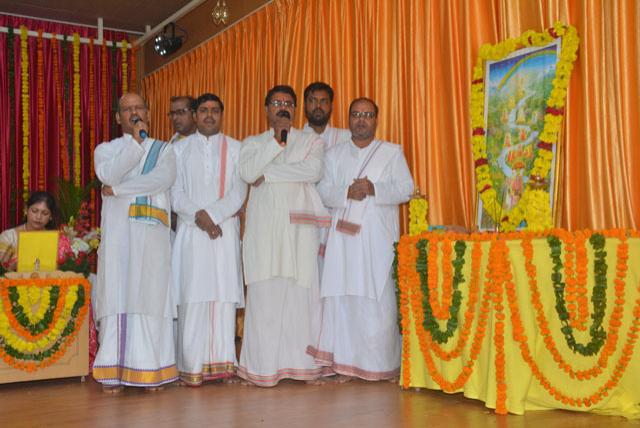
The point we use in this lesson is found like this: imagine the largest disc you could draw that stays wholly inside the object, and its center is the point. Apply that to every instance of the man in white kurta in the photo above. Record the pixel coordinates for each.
(280, 246)
(206, 253)
(318, 106)
(132, 298)
(364, 182)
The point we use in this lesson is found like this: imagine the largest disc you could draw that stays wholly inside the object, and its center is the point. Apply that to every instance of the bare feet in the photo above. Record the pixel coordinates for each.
(109, 389)
(181, 383)
(394, 379)
(342, 379)
(244, 382)
(154, 388)
(317, 381)
(231, 380)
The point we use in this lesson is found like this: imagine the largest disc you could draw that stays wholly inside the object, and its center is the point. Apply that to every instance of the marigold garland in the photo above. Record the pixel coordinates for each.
(12, 129)
(104, 93)
(418, 207)
(33, 341)
(92, 122)
(125, 75)
(552, 123)
(62, 140)
(24, 64)
(41, 118)
(543, 326)
(498, 283)
(134, 71)
(76, 110)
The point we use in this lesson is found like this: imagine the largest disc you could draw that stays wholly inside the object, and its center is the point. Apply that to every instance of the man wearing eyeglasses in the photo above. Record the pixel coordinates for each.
(280, 246)
(207, 194)
(132, 300)
(181, 116)
(364, 182)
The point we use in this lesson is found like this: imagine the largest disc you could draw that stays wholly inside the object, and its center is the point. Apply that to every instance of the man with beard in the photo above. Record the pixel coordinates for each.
(280, 246)
(132, 298)
(364, 182)
(181, 115)
(206, 253)
(318, 105)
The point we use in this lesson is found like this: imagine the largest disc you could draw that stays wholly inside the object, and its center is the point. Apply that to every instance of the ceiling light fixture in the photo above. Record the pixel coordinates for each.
(167, 43)
(220, 13)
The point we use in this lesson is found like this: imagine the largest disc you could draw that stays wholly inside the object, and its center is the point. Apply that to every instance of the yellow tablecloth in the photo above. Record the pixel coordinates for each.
(523, 390)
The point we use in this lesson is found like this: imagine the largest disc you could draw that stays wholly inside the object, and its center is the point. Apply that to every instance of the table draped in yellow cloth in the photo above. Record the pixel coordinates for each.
(497, 302)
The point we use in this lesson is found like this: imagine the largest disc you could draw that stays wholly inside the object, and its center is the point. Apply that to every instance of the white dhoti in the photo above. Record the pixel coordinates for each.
(135, 350)
(360, 336)
(206, 341)
(281, 319)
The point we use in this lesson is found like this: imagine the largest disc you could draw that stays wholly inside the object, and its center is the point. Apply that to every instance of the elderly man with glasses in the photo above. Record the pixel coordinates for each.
(132, 301)
(280, 246)
(364, 182)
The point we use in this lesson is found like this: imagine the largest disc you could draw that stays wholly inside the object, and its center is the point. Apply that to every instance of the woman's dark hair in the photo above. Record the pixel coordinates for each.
(50, 202)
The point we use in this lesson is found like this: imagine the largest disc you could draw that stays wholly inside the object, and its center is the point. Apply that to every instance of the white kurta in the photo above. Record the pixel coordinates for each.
(330, 136)
(280, 258)
(133, 302)
(208, 269)
(357, 290)
(207, 272)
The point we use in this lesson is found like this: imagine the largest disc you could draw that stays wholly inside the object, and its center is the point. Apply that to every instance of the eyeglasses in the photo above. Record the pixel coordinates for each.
(364, 114)
(281, 103)
(132, 109)
(180, 112)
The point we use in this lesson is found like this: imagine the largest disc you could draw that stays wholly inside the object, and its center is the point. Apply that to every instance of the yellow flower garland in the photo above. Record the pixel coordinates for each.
(26, 346)
(28, 297)
(24, 59)
(418, 207)
(548, 136)
(124, 66)
(76, 109)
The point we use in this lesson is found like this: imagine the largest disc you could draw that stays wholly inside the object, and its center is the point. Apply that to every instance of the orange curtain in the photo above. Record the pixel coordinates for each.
(414, 57)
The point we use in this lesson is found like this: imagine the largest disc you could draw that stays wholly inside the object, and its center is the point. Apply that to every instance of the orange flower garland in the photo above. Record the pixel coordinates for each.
(41, 121)
(499, 279)
(614, 322)
(440, 310)
(472, 300)
(603, 391)
(64, 284)
(406, 259)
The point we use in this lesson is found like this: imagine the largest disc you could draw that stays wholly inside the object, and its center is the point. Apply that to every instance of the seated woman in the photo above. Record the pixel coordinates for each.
(41, 214)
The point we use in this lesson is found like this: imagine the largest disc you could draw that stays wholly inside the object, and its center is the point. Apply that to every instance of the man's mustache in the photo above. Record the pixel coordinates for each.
(283, 113)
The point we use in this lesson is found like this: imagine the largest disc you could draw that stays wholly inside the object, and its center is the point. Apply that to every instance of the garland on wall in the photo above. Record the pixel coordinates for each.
(40, 319)
(499, 300)
(24, 69)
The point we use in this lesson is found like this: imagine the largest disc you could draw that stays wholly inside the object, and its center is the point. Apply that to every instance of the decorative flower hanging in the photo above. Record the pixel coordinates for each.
(76, 110)
(552, 125)
(24, 64)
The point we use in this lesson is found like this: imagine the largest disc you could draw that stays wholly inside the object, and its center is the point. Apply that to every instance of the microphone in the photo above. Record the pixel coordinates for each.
(143, 133)
(283, 137)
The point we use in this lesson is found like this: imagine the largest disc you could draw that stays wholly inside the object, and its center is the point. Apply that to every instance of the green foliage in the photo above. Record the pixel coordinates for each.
(70, 197)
